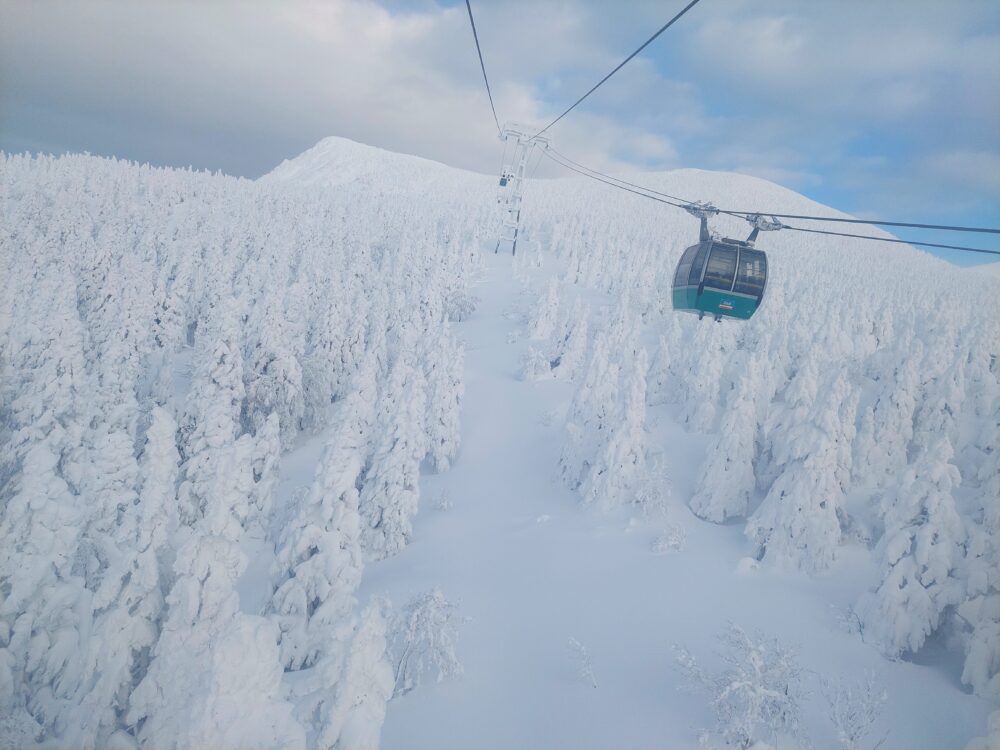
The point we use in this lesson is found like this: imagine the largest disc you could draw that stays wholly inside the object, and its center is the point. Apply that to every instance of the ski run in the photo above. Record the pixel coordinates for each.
(302, 463)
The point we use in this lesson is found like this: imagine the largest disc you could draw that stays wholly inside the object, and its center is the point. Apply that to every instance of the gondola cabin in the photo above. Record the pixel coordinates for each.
(721, 278)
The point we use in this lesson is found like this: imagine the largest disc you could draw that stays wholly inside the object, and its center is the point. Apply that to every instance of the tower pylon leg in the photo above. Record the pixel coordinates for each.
(512, 182)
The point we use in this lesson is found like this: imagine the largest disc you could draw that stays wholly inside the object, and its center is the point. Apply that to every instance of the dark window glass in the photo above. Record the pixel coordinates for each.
(752, 273)
(698, 263)
(721, 267)
(684, 267)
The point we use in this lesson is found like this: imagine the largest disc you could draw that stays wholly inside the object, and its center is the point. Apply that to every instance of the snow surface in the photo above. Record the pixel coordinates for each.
(532, 570)
(572, 611)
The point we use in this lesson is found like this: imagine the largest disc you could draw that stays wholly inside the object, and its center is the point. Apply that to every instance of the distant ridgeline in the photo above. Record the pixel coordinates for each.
(165, 335)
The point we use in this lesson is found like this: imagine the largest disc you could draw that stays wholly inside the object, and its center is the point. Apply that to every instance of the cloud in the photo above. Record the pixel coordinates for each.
(980, 169)
(870, 106)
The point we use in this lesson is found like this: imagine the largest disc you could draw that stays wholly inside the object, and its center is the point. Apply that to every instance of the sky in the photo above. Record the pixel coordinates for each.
(887, 109)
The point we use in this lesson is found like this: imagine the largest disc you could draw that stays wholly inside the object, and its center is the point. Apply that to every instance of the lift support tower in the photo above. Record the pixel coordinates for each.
(512, 179)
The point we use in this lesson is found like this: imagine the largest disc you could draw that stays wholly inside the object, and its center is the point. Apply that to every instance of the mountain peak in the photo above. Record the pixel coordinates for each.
(335, 160)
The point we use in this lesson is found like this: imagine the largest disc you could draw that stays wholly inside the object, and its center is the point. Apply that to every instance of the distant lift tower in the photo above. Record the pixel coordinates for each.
(512, 179)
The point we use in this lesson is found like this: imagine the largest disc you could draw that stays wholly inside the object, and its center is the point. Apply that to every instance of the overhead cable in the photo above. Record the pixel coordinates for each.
(548, 153)
(877, 222)
(892, 239)
(482, 65)
(620, 65)
(656, 196)
(804, 217)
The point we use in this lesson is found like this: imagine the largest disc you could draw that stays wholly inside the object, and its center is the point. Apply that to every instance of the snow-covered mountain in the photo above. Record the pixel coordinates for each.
(236, 415)
(335, 162)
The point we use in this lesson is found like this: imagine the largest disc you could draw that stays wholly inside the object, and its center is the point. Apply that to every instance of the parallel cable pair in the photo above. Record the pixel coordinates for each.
(677, 202)
(733, 212)
(660, 197)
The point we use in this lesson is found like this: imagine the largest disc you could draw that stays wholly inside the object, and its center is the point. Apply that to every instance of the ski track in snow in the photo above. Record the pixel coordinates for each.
(530, 569)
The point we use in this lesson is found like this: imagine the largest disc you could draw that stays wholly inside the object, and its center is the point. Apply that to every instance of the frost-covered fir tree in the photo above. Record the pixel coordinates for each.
(390, 490)
(570, 349)
(703, 353)
(218, 473)
(273, 373)
(319, 553)
(658, 391)
(621, 464)
(981, 611)
(798, 523)
(127, 606)
(727, 480)
(444, 371)
(592, 414)
(363, 688)
(921, 552)
(335, 345)
(157, 520)
(264, 465)
(215, 678)
(546, 316)
(48, 384)
(45, 610)
(893, 415)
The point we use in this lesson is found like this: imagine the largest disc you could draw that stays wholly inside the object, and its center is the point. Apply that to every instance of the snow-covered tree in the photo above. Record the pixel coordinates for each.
(363, 688)
(727, 480)
(273, 373)
(218, 472)
(215, 678)
(571, 347)
(981, 610)
(921, 552)
(319, 553)
(390, 489)
(423, 641)
(798, 523)
(45, 608)
(592, 415)
(444, 373)
(264, 464)
(619, 468)
(546, 316)
(757, 693)
(854, 709)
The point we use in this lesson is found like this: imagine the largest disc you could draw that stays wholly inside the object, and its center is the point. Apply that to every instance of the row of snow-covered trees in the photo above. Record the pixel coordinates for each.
(861, 405)
(164, 336)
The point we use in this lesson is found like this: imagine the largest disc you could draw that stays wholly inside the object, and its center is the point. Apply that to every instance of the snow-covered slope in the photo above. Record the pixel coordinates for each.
(337, 161)
(235, 415)
(989, 269)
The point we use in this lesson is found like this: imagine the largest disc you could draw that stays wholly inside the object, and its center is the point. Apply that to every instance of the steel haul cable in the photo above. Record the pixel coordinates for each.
(804, 217)
(482, 65)
(653, 195)
(893, 239)
(612, 184)
(620, 65)
(683, 203)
